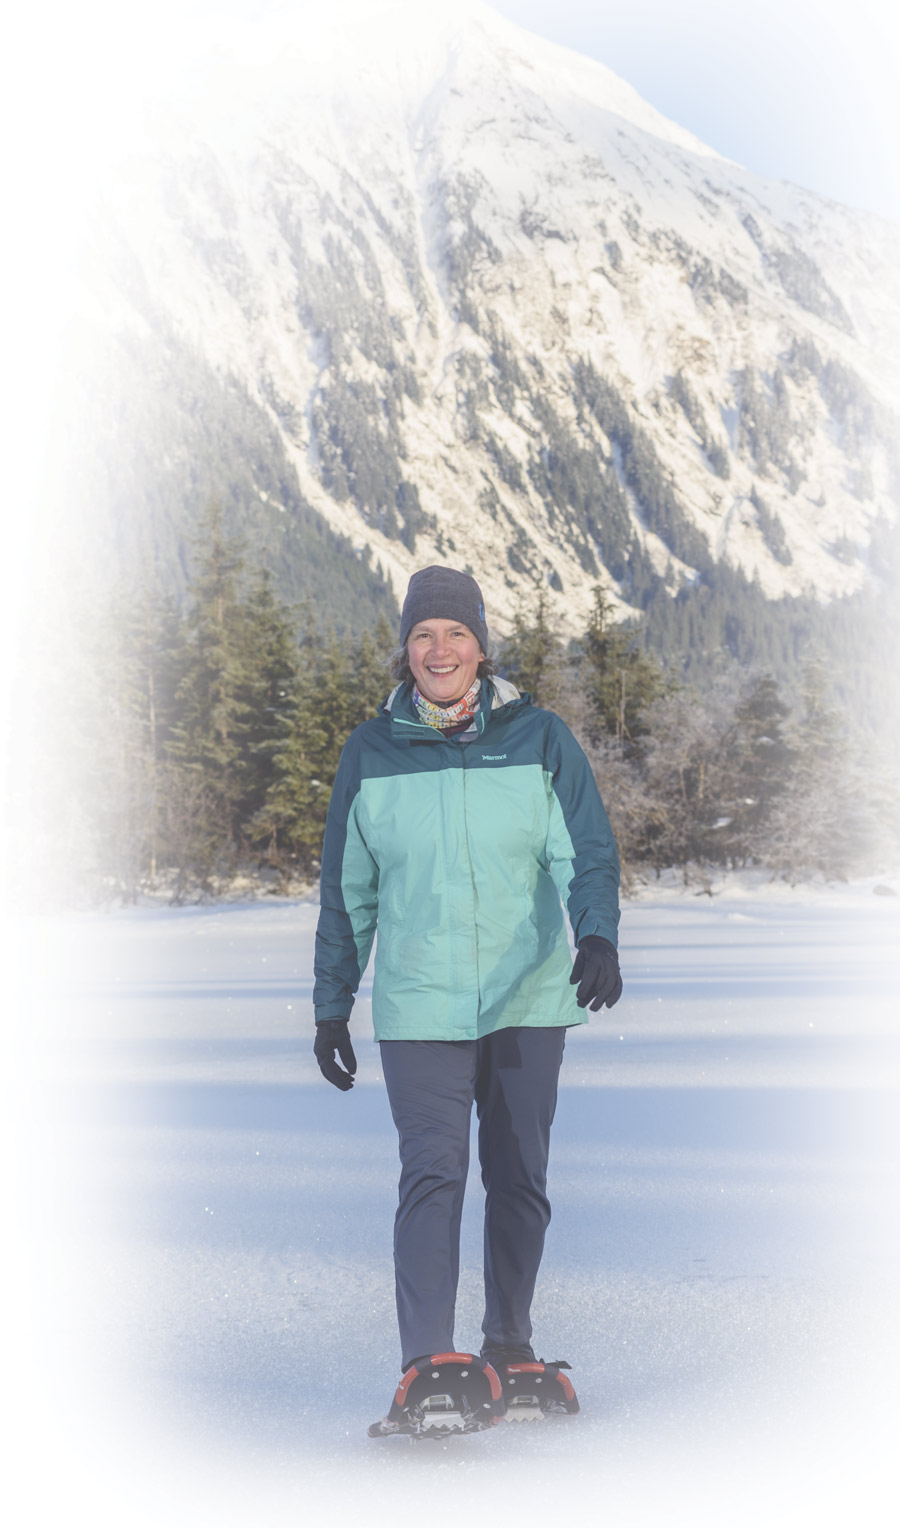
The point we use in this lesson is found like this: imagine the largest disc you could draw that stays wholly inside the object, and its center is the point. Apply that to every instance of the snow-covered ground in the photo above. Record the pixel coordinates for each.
(205, 1232)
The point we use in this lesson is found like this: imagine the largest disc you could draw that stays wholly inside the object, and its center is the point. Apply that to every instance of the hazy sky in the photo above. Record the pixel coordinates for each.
(801, 90)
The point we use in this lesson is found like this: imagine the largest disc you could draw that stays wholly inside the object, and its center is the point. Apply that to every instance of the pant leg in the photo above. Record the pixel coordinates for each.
(515, 1091)
(430, 1086)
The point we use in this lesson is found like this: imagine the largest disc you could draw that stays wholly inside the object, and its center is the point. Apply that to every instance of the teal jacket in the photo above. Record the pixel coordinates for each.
(462, 855)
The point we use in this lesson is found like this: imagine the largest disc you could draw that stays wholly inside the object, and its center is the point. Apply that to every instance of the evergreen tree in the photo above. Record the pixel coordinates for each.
(685, 757)
(533, 653)
(759, 767)
(126, 714)
(339, 684)
(821, 820)
(631, 811)
(620, 678)
(291, 822)
(215, 675)
(270, 664)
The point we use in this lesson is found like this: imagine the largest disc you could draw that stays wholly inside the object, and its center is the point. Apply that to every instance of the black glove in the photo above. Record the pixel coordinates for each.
(333, 1037)
(596, 970)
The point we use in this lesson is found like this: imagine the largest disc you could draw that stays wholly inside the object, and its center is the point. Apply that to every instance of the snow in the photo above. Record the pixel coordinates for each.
(208, 1229)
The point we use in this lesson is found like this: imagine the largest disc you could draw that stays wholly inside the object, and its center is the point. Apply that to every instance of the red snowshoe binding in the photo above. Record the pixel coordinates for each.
(441, 1395)
(532, 1390)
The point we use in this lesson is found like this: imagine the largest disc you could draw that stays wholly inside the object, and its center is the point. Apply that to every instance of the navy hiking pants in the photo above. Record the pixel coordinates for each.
(512, 1077)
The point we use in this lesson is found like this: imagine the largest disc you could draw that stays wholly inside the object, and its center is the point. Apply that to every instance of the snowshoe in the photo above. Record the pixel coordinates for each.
(441, 1395)
(532, 1390)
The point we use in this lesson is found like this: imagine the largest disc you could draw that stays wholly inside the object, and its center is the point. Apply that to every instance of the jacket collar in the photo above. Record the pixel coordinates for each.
(498, 697)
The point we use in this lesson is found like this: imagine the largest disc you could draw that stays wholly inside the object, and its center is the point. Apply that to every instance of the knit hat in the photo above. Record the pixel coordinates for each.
(438, 593)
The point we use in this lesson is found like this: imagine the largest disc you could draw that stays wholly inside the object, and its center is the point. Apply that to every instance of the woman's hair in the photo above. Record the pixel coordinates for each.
(401, 673)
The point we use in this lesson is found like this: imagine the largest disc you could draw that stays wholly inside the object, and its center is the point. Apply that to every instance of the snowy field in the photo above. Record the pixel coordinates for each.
(204, 1234)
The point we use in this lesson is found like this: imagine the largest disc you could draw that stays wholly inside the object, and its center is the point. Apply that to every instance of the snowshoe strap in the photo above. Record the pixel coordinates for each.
(451, 1368)
(551, 1372)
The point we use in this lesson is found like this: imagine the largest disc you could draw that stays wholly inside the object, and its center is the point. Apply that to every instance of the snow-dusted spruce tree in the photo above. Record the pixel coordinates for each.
(683, 773)
(760, 767)
(533, 656)
(634, 815)
(123, 709)
(339, 683)
(619, 678)
(271, 663)
(714, 765)
(236, 667)
(837, 809)
(210, 695)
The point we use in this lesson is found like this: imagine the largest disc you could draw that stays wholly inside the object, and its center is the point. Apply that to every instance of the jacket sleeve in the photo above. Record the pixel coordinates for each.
(581, 850)
(348, 908)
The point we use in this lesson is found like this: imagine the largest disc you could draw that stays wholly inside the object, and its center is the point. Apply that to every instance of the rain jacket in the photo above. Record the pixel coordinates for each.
(462, 854)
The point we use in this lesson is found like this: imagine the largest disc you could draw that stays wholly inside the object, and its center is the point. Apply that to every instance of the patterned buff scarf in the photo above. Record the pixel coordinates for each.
(449, 719)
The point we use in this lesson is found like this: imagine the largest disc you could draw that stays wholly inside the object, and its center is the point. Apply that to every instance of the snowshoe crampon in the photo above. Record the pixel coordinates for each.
(441, 1395)
(532, 1390)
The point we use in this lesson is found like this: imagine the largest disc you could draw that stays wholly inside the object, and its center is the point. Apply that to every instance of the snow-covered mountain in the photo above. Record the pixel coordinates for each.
(463, 295)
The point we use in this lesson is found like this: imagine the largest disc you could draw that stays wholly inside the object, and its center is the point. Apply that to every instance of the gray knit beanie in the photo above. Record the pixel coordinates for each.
(438, 593)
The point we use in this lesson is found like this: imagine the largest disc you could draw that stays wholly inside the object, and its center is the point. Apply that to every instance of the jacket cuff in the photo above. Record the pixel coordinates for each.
(601, 928)
(600, 939)
(333, 1011)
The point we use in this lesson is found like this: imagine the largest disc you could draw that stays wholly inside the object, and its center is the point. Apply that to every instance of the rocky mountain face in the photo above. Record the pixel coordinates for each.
(421, 287)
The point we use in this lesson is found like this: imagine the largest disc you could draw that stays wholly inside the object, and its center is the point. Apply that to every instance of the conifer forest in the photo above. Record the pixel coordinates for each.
(210, 736)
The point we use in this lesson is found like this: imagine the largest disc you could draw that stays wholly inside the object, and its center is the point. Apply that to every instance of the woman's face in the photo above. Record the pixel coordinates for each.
(444, 658)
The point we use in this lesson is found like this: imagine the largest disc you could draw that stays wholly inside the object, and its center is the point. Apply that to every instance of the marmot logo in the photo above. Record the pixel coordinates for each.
(493, 755)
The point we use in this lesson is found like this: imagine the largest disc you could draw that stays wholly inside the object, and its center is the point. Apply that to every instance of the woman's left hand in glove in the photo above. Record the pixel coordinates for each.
(596, 971)
(333, 1040)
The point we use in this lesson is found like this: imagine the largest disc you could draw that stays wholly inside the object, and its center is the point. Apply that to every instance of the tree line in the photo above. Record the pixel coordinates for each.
(213, 731)
(730, 775)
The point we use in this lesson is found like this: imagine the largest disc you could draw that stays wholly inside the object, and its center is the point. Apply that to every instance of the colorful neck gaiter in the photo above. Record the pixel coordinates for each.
(449, 718)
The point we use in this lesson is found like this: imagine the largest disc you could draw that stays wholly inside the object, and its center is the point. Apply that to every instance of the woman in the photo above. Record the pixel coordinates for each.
(463, 819)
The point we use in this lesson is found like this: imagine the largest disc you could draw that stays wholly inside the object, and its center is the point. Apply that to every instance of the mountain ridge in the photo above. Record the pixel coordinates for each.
(493, 321)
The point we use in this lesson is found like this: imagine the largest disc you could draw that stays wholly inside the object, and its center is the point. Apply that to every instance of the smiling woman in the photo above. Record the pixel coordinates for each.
(444, 637)
(442, 658)
(463, 821)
